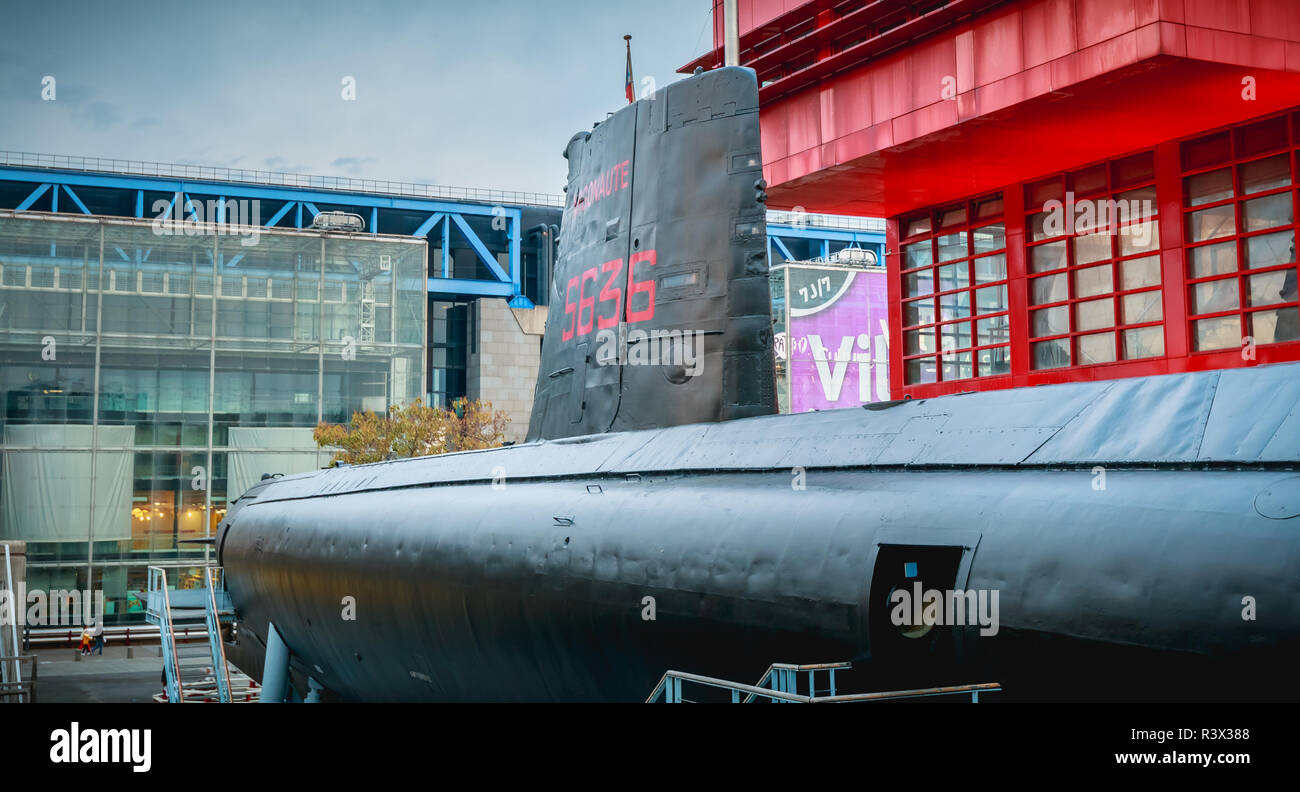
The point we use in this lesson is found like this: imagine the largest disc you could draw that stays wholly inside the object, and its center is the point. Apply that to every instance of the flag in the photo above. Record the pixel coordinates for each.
(631, 95)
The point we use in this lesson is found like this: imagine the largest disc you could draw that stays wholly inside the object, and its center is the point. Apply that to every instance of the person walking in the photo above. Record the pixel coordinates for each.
(98, 635)
(85, 640)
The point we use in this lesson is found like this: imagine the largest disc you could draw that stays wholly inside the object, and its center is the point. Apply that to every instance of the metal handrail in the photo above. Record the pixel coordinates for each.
(222, 670)
(275, 178)
(670, 686)
(23, 687)
(792, 670)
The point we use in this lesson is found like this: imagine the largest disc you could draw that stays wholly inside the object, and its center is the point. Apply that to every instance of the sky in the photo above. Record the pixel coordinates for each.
(465, 94)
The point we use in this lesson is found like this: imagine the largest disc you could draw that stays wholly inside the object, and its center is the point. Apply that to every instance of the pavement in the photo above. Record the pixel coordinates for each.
(64, 676)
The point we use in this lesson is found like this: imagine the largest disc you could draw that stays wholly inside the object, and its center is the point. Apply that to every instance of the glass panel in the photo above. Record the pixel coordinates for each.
(991, 268)
(954, 306)
(991, 300)
(917, 341)
(1098, 348)
(995, 330)
(1209, 187)
(1142, 307)
(1211, 223)
(1134, 169)
(1090, 248)
(1144, 342)
(1048, 289)
(1139, 238)
(1267, 212)
(1051, 321)
(1038, 227)
(1265, 174)
(1270, 250)
(1214, 259)
(1272, 327)
(1093, 281)
(917, 254)
(952, 217)
(1052, 354)
(953, 246)
(991, 207)
(1271, 288)
(1135, 204)
(1139, 273)
(989, 238)
(918, 225)
(958, 367)
(1047, 257)
(921, 370)
(1094, 314)
(954, 276)
(1214, 296)
(1221, 333)
(995, 361)
(918, 312)
(918, 283)
(954, 336)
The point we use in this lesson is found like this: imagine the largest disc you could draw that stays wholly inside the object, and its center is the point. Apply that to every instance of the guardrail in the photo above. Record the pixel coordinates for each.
(22, 688)
(780, 676)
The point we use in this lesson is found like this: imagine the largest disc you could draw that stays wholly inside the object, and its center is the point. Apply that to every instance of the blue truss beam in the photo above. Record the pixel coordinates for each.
(31, 199)
(785, 251)
(428, 224)
(480, 248)
(76, 200)
(283, 211)
(475, 288)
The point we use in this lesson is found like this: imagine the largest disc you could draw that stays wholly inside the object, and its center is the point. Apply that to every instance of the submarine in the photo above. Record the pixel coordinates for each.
(1130, 539)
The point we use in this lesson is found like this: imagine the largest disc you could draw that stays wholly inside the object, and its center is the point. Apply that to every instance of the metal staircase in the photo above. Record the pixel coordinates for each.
(195, 670)
(780, 684)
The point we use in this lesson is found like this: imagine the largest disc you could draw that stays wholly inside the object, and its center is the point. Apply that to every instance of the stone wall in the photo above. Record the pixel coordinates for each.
(502, 366)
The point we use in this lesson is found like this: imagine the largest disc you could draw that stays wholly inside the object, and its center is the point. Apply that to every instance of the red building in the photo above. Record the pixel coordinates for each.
(1075, 189)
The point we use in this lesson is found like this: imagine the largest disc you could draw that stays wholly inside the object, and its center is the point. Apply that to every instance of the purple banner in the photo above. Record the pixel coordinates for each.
(838, 346)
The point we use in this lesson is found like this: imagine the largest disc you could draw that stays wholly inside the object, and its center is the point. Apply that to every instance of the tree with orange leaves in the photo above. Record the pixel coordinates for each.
(413, 430)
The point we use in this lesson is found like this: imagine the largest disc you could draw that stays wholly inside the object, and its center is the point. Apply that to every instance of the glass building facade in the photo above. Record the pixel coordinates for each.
(148, 375)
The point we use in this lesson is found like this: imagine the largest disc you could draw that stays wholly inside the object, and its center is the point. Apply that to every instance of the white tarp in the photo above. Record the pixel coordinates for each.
(48, 493)
(254, 452)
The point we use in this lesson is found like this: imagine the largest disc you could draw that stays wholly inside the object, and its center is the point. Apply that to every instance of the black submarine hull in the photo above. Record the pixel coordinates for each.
(523, 573)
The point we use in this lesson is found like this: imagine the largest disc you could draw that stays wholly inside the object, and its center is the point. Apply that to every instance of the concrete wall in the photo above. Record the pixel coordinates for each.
(502, 367)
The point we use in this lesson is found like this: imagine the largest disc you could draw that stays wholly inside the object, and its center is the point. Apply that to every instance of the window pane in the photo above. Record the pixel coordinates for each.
(1211, 223)
(1052, 354)
(1214, 259)
(1098, 348)
(1221, 333)
(1144, 342)
(921, 370)
(952, 217)
(1051, 321)
(1139, 238)
(1142, 307)
(989, 238)
(952, 246)
(995, 361)
(1270, 250)
(917, 341)
(1271, 327)
(1265, 174)
(1093, 281)
(991, 300)
(1138, 203)
(1267, 212)
(1090, 248)
(1047, 257)
(917, 254)
(954, 336)
(1139, 273)
(995, 330)
(954, 276)
(1038, 226)
(1209, 187)
(919, 283)
(1219, 295)
(954, 306)
(991, 268)
(1094, 314)
(1271, 288)
(918, 225)
(918, 312)
(958, 367)
(1048, 289)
